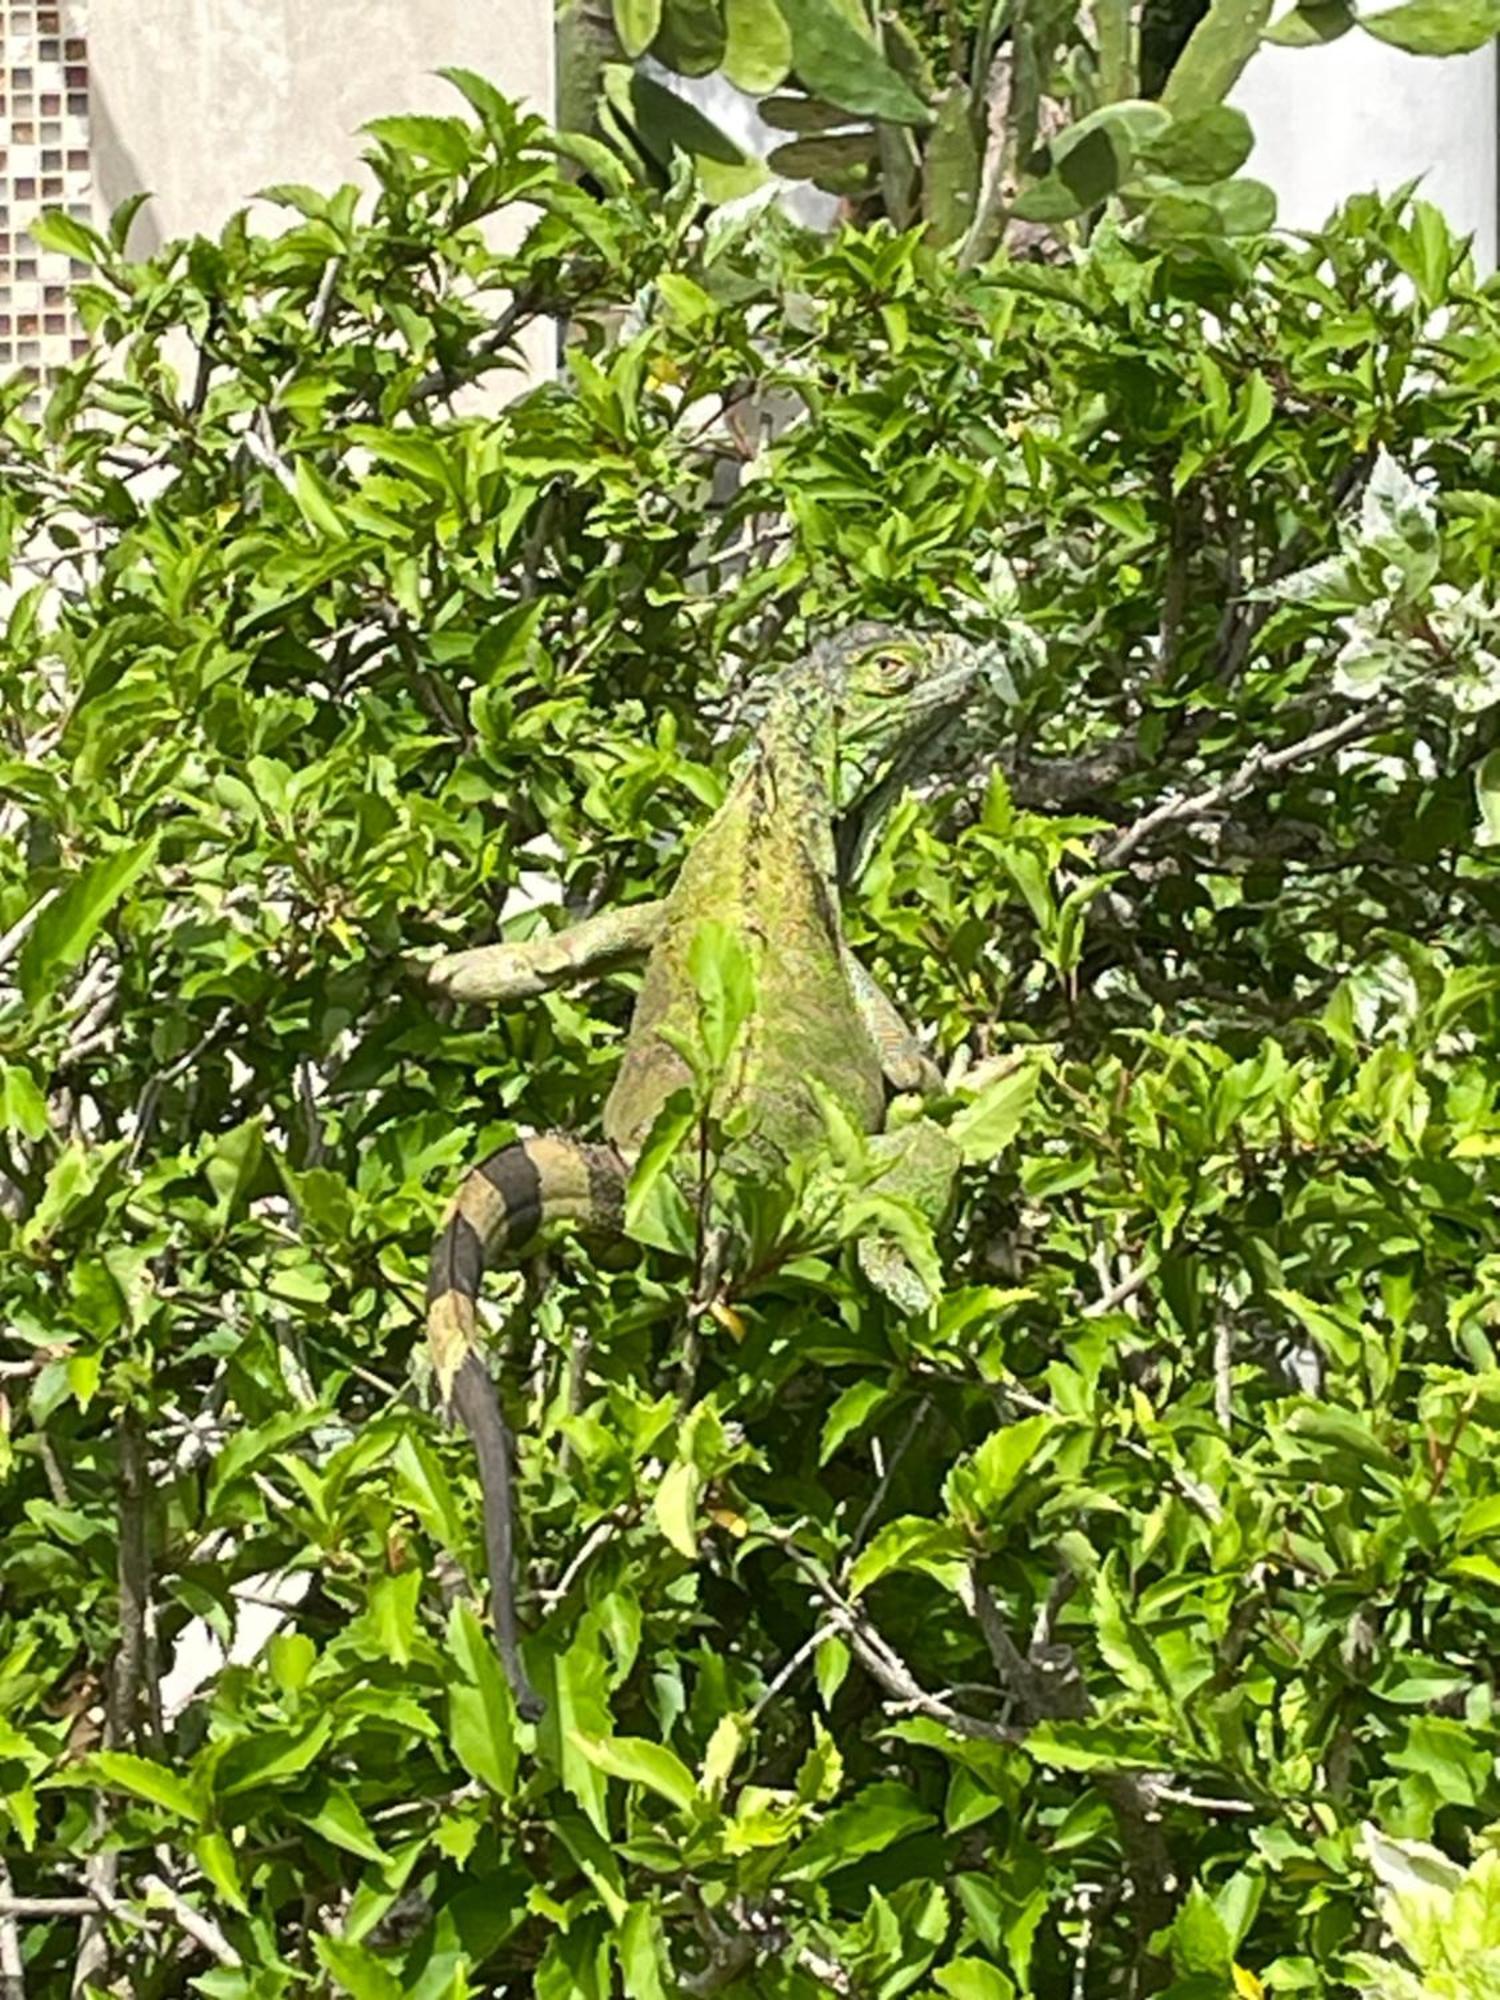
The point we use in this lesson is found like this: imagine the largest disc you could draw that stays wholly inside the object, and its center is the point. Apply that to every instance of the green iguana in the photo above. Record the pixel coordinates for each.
(846, 730)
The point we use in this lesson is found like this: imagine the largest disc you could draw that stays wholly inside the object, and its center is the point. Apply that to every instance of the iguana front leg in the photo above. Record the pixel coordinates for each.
(902, 1061)
(587, 950)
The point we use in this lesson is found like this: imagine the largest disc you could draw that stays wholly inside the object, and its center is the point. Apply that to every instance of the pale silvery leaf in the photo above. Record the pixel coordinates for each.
(1395, 511)
(1329, 582)
(1475, 1927)
(1487, 797)
(1476, 683)
(1374, 1979)
(1419, 1885)
(1367, 662)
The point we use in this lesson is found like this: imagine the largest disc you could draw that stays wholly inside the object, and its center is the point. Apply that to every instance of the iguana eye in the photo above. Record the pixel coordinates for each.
(897, 673)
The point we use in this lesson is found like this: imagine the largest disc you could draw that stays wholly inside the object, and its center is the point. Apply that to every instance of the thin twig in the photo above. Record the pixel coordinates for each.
(266, 455)
(809, 1646)
(150, 1097)
(883, 1663)
(122, 1707)
(877, 1498)
(1118, 1294)
(12, 1964)
(443, 382)
(1224, 1373)
(192, 1923)
(44, 1907)
(597, 1537)
(16, 936)
(1173, 1795)
(1259, 763)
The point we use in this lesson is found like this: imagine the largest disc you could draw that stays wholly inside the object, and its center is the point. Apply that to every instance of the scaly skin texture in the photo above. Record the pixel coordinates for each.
(846, 730)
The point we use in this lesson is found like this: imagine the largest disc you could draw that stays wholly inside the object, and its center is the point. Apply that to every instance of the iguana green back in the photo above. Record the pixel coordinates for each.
(844, 730)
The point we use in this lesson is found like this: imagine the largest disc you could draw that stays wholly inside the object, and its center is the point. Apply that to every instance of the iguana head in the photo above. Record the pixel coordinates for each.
(874, 707)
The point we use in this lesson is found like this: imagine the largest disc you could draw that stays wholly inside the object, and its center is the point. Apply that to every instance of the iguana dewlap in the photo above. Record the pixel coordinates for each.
(846, 729)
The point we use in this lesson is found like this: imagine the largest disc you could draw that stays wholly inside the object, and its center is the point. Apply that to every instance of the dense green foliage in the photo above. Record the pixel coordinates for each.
(1057, 1641)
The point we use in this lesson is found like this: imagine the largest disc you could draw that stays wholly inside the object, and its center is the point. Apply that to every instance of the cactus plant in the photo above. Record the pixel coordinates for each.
(987, 119)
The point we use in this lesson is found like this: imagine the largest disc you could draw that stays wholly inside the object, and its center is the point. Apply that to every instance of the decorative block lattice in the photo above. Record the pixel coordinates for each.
(44, 163)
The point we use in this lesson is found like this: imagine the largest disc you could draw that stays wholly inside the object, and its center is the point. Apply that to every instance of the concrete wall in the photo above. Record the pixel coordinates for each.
(1358, 114)
(205, 101)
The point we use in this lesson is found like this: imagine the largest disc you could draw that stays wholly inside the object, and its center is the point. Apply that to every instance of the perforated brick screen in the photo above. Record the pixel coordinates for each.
(44, 163)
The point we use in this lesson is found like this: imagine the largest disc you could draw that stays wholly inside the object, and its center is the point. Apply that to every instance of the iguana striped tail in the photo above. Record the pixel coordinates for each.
(498, 1210)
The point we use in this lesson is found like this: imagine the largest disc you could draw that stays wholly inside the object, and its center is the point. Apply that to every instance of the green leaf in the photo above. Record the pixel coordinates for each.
(757, 44)
(318, 502)
(986, 1127)
(67, 236)
(1436, 27)
(340, 1820)
(23, 1108)
(1088, 171)
(291, 1657)
(145, 1779)
(216, 1857)
(269, 1756)
(830, 1669)
(1005, 1455)
(881, 1815)
(723, 975)
(1313, 23)
(1216, 52)
(1487, 797)
(676, 1121)
(842, 163)
(676, 1507)
(691, 39)
(427, 1490)
(444, 141)
(667, 121)
(851, 1412)
(639, 1762)
(580, 1708)
(641, 1946)
(1200, 1941)
(972, 1979)
(636, 23)
(1093, 1746)
(839, 61)
(481, 1708)
(688, 303)
(1205, 146)
(393, 1613)
(358, 1972)
(68, 926)
(908, 1542)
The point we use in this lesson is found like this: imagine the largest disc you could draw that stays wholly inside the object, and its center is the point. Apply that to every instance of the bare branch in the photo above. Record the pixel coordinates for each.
(1224, 1373)
(888, 1473)
(1118, 1294)
(20, 930)
(524, 306)
(12, 1965)
(192, 1923)
(884, 1664)
(262, 448)
(1260, 762)
(12, 1907)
